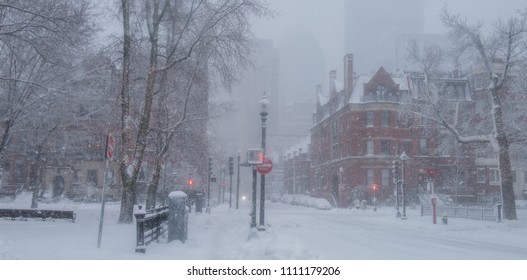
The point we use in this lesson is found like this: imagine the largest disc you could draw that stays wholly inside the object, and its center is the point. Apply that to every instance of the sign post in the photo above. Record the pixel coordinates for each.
(110, 145)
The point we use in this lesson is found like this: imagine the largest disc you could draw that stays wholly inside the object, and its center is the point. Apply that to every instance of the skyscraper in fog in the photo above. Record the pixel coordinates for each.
(373, 28)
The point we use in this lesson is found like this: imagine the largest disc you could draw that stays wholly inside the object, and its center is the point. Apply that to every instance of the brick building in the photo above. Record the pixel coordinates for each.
(361, 128)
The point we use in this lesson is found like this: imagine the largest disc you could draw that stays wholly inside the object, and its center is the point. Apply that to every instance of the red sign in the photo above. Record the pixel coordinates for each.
(110, 145)
(265, 167)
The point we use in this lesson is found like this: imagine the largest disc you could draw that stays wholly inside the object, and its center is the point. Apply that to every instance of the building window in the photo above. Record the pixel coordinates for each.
(424, 121)
(385, 118)
(381, 93)
(406, 147)
(92, 177)
(335, 140)
(385, 179)
(369, 119)
(494, 176)
(481, 178)
(76, 176)
(369, 147)
(369, 177)
(111, 180)
(385, 147)
(423, 146)
(336, 151)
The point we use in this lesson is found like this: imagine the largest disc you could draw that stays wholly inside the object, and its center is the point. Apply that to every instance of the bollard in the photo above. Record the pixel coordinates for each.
(177, 216)
(445, 220)
(434, 213)
(499, 213)
(199, 203)
(140, 230)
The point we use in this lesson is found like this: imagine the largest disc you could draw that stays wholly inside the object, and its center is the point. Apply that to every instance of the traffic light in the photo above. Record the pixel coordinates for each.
(190, 182)
(395, 169)
(255, 156)
(231, 165)
(375, 187)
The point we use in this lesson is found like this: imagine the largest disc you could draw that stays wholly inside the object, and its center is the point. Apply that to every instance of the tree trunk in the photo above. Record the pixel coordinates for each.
(34, 198)
(129, 185)
(152, 187)
(507, 188)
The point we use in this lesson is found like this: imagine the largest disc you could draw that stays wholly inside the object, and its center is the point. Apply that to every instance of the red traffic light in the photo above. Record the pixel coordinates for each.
(374, 187)
(190, 182)
(432, 172)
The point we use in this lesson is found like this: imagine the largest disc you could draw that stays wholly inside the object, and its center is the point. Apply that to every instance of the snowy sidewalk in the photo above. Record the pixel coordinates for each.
(293, 233)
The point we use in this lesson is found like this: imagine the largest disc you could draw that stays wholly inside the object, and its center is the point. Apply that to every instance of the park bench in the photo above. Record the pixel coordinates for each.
(37, 213)
(10, 191)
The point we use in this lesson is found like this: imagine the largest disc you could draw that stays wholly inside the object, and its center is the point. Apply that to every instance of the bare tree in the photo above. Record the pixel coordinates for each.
(505, 46)
(37, 40)
(218, 26)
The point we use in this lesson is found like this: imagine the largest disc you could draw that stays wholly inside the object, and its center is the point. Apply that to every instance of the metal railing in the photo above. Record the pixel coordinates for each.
(151, 225)
(475, 213)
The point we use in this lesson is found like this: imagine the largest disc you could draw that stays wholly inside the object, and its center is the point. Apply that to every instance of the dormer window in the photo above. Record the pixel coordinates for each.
(381, 93)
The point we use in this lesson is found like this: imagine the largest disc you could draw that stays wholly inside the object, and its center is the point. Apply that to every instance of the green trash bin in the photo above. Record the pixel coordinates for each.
(178, 216)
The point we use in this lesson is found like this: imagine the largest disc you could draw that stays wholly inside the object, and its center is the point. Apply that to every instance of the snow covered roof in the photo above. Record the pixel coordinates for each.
(300, 146)
(358, 90)
(323, 99)
(339, 86)
(399, 78)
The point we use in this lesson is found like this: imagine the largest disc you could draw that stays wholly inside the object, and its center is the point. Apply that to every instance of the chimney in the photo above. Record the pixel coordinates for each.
(332, 79)
(348, 73)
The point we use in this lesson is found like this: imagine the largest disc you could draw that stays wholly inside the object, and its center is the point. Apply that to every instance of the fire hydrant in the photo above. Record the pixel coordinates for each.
(445, 220)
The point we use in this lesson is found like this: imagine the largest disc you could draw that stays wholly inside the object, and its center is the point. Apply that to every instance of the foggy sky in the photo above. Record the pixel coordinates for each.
(324, 19)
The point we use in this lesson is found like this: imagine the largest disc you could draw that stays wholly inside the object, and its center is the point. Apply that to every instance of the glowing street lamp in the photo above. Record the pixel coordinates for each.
(374, 187)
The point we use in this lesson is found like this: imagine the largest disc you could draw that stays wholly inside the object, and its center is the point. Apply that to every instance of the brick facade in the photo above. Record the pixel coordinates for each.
(359, 130)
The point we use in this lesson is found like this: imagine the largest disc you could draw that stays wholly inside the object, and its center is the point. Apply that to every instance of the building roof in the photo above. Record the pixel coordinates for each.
(302, 146)
(400, 79)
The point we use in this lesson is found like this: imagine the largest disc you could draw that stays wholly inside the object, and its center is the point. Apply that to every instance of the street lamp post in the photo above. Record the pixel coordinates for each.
(341, 172)
(374, 198)
(403, 157)
(238, 181)
(208, 186)
(396, 189)
(263, 114)
(253, 210)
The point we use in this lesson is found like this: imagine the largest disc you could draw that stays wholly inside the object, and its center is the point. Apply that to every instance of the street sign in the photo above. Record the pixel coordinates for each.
(110, 145)
(265, 167)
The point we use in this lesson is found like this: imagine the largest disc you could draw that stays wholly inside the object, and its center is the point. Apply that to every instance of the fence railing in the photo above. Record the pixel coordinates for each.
(475, 213)
(37, 213)
(151, 225)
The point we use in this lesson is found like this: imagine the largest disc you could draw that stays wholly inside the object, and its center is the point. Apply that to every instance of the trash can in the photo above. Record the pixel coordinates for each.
(199, 202)
(178, 216)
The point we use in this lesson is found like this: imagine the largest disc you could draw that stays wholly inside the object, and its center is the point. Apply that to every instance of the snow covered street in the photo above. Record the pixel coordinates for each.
(293, 232)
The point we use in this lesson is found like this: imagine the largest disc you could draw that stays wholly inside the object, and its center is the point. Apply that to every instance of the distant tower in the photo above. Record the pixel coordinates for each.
(373, 26)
